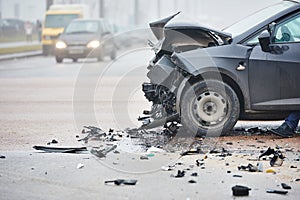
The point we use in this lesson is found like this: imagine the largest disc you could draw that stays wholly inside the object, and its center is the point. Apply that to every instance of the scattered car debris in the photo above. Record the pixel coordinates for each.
(249, 167)
(92, 133)
(80, 165)
(2, 157)
(237, 176)
(180, 174)
(194, 174)
(270, 170)
(277, 158)
(168, 168)
(191, 152)
(155, 150)
(54, 141)
(239, 190)
(277, 191)
(51, 149)
(122, 181)
(144, 158)
(286, 186)
(102, 152)
(192, 181)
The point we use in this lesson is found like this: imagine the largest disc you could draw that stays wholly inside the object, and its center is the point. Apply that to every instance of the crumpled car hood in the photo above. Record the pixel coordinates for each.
(158, 27)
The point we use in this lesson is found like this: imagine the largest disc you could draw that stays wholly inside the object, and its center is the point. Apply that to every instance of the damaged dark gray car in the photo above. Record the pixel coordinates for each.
(207, 79)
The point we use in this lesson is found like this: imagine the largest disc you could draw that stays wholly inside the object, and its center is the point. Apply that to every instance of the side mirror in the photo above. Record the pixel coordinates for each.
(265, 41)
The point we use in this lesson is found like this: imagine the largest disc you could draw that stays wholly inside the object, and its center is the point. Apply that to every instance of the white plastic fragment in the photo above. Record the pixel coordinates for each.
(80, 165)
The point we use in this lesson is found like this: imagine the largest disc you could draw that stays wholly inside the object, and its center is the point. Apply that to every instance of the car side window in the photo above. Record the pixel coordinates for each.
(254, 39)
(288, 31)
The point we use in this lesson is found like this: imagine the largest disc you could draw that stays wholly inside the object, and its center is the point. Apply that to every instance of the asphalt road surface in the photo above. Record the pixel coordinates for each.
(41, 101)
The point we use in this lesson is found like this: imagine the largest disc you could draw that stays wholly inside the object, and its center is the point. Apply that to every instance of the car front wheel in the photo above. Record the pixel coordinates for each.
(209, 108)
(58, 59)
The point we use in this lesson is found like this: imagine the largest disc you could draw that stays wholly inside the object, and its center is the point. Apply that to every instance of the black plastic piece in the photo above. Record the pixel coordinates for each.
(277, 191)
(240, 190)
(286, 186)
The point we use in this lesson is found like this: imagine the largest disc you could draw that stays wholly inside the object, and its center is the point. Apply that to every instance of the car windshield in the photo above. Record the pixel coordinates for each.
(256, 18)
(59, 21)
(82, 27)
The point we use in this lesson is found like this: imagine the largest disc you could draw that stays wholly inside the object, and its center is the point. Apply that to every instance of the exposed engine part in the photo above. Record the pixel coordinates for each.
(163, 100)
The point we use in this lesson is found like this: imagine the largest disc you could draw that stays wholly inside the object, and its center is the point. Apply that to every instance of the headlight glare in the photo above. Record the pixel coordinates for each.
(60, 45)
(93, 44)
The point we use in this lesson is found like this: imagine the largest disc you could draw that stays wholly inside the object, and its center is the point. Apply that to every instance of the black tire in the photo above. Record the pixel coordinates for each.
(58, 59)
(100, 56)
(209, 108)
(45, 51)
(113, 54)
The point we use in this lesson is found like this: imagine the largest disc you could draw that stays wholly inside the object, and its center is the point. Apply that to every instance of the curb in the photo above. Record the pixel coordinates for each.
(20, 55)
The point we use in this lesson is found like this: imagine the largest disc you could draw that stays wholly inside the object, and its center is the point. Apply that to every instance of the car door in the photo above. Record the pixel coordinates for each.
(287, 59)
(263, 76)
(274, 76)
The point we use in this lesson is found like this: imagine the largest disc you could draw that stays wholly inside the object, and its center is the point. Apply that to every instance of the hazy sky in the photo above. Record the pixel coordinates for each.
(216, 13)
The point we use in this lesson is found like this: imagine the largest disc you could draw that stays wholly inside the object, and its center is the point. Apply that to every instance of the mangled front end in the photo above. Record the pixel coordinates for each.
(165, 79)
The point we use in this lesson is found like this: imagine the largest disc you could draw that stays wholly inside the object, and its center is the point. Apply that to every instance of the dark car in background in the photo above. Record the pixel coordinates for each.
(85, 38)
(207, 79)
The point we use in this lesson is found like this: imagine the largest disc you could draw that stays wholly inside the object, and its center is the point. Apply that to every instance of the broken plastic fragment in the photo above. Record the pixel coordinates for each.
(180, 174)
(51, 149)
(102, 152)
(277, 191)
(192, 181)
(168, 168)
(155, 150)
(122, 181)
(144, 158)
(240, 190)
(270, 170)
(286, 186)
(80, 165)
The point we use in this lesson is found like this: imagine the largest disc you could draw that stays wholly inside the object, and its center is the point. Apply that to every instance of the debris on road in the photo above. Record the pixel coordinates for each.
(51, 149)
(277, 191)
(80, 165)
(192, 181)
(93, 132)
(102, 152)
(286, 186)
(277, 159)
(155, 150)
(270, 170)
(2, 157)
(122, 181)
(180, 174)
(249, 167)
(239, 190)
(144, 158)
(54, 141)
